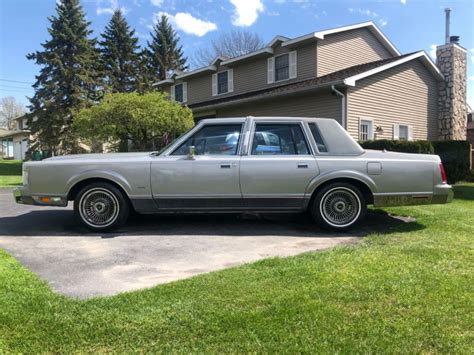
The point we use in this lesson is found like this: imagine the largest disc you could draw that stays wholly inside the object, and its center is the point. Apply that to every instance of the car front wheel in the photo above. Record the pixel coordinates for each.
(101, 207)
(338, 206)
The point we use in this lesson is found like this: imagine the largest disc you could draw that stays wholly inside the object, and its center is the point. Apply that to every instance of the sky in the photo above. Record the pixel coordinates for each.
(411, 25)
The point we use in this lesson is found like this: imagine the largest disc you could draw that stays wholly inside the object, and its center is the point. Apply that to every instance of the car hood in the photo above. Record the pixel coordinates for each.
(99, 156)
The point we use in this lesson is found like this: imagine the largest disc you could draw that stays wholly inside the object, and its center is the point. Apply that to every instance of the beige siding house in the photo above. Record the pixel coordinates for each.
(353, 74)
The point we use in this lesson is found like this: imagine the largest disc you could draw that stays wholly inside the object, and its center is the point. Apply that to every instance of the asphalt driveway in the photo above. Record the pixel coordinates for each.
(153, 249)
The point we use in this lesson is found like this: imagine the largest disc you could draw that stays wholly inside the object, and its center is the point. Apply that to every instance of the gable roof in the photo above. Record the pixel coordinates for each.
(285, 41)
(346, 77)
(351, 81)
(321, 34)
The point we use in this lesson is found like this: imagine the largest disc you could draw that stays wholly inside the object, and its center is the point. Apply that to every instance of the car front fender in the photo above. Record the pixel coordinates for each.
(99, 174)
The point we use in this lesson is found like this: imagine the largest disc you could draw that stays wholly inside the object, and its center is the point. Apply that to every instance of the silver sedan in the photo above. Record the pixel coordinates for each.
(258, 164)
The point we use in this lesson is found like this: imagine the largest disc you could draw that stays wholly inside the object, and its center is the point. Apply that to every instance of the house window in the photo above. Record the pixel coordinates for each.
(403, 133)
(282, 67)
(366, 131)
(178, 93)
(222, 82)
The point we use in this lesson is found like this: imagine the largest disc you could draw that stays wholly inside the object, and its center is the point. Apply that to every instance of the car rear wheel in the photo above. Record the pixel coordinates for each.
(101, 207)
(338, 206)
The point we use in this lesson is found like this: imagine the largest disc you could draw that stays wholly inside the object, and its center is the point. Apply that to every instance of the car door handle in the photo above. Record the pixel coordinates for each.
(225, 166)
(302, 165)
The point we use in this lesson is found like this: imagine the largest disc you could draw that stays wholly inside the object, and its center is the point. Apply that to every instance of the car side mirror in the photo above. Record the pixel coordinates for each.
(192, 152)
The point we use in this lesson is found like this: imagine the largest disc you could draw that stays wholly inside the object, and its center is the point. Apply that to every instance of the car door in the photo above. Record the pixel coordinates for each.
(209, 180)
(278, 166)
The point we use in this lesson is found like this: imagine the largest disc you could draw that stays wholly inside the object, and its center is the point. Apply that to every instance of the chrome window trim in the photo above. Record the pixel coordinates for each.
(270, 121)
(191, 133)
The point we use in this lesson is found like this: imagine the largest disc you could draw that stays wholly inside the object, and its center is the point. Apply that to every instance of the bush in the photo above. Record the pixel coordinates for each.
(456, 158)
(455, 155)
(419, 147)
(139, 118)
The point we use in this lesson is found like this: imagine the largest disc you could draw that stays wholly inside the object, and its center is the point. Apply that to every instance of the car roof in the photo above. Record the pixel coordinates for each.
(261, 118)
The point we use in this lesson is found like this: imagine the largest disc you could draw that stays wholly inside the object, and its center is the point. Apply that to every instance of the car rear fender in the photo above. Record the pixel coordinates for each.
(340, 174)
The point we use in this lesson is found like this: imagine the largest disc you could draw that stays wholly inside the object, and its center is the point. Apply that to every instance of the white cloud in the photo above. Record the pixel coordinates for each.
(403, 1)
(109, 8)
(433, 51)
(185, 22)
(246, 12)
(365, 12)
(383, 22)
(273, 13)
(470, 78)
(156, 2)
(472, 55)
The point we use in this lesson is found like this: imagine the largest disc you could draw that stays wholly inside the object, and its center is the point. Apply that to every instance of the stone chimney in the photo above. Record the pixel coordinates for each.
(451, 59)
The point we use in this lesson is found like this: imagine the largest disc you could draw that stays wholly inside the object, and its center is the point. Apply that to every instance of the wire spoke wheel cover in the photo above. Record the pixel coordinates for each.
(340, 207)
(99, 207)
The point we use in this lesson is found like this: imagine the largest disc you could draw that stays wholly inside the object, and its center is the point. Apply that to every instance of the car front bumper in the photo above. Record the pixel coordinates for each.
(441, 194)
(23, 196)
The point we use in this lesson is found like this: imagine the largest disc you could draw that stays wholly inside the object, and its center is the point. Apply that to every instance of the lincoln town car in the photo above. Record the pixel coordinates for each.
(251, 164)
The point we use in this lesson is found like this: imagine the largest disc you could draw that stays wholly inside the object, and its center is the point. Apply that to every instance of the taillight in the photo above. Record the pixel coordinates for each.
(444, 179)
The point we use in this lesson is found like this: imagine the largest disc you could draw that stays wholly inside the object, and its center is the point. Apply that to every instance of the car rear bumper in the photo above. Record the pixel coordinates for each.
(23, 196)
(441, 194)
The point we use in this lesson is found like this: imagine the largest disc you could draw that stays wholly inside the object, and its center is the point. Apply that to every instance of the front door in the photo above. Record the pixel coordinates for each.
(208, 181)
(278, 167)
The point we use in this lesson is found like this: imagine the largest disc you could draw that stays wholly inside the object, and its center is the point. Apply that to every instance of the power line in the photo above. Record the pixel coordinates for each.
(16, 87)
(17, 81)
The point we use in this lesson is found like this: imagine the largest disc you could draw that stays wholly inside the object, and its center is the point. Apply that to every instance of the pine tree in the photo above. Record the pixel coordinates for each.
(164, 52)
(68, 78)
(120, 60)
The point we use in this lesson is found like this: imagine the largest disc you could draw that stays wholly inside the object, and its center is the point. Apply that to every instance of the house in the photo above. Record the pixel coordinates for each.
(14, 141)
(353, 74)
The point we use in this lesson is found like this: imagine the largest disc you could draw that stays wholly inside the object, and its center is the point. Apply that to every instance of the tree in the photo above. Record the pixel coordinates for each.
(9, 110)
(164, 52)
(119, 57)
(140, 118)
(68, 79)
(231, 44)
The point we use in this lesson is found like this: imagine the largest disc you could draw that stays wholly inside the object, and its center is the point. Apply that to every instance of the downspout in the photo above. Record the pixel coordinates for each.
(343, 105)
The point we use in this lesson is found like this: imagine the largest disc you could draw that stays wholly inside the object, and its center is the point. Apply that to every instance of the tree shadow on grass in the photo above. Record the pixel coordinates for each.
(464, 192)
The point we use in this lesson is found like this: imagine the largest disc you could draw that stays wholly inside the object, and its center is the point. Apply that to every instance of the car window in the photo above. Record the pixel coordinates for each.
(284, 139)
(213, 140)
(318, 138)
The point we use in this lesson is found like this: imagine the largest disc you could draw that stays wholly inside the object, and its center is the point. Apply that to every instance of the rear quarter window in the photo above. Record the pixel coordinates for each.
(318, 138)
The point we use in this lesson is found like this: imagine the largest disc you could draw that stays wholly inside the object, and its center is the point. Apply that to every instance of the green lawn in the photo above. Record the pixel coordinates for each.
(407, 291)
(10, 173)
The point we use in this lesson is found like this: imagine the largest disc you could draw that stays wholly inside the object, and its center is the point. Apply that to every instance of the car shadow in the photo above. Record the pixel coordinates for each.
(61, 223)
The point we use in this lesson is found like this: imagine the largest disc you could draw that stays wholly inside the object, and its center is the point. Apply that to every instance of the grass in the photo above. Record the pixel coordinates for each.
(10, 173)
(409, 290)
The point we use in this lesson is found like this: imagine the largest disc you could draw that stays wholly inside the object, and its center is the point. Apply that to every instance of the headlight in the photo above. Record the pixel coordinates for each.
(25, 177)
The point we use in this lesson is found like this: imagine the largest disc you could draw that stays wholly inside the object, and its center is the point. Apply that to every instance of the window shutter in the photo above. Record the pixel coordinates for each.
(230, 80)
(185, 92)
(293, 69)
(396, 131)
(410, 133)
(214, 84)
(172, 92)
(270, 70)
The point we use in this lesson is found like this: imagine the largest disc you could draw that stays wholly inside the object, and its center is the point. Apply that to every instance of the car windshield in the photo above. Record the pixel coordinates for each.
(159, 152)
